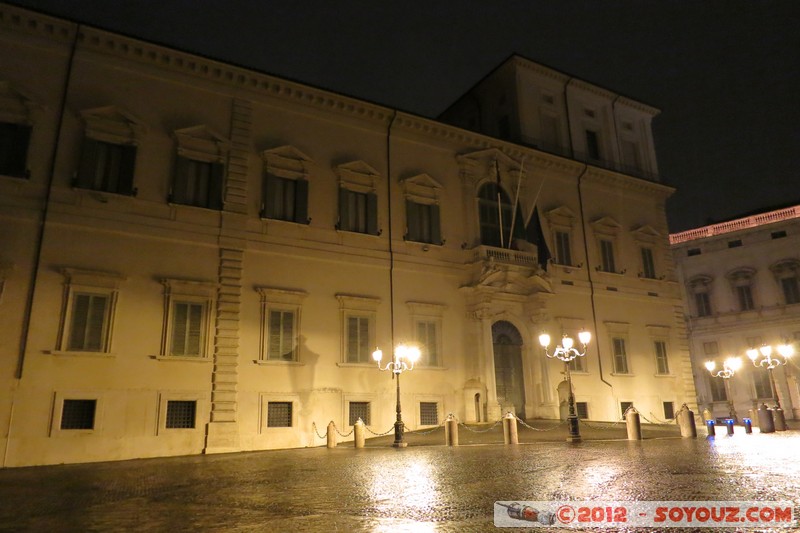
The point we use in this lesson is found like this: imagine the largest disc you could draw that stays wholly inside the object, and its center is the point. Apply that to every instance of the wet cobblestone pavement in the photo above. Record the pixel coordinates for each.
(421, 488)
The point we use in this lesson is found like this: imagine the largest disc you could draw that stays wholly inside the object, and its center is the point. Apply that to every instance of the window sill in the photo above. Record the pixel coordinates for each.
(664, 375)
(424, 367)
(277, 362)
(181, 358)
(628, 375)
(356, 365)
(71, 353)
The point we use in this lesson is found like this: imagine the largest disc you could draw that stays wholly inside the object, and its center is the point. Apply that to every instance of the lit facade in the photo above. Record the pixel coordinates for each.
(200, 258)
(741, 283)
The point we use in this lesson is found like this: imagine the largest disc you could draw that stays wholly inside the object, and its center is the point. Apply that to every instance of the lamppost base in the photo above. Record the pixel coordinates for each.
(399, 444)
(574, 430)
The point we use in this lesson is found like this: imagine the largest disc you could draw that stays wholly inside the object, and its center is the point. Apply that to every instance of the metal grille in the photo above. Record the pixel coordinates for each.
(582, 409)
(359, 410)
(78, 414)
(669, 410)
(279, 414)
(181, 414)
(624, 406)
(429, 413)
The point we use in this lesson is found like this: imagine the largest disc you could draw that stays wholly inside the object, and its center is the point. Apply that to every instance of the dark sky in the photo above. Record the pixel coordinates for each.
(725, 74)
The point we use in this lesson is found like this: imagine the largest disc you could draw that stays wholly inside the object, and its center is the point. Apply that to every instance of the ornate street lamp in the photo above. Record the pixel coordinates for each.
(403, 359)
(729, 368)
(567, 353)
(763, 357)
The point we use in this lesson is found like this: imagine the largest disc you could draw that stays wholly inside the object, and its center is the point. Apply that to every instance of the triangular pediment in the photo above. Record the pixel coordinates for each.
(358, 167)
(286, 152)
(111, 113)
(112, 124)
(201, 142)
(606, 225)
(489, 155)
(422, 180)
(646, 231)
(15, 104)
(201, 132)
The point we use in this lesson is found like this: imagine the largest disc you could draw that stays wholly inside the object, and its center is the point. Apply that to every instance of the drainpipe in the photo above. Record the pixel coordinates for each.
(23, 344)
(589, 272)
(389, 212)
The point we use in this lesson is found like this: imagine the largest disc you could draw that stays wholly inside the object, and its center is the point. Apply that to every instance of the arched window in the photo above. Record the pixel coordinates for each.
(490, 217)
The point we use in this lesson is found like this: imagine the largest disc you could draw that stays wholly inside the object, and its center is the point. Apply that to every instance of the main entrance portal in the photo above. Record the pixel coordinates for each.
(507, 343)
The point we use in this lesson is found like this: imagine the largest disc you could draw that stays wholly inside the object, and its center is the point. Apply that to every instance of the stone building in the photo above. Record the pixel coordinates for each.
(742, 291)
(200, 258)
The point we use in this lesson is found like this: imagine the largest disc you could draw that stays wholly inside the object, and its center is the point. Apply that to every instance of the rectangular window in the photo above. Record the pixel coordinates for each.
(286, 199)
(762, 384)
(78, 414)
(187, 329)
(181, 414)
(563, 248)
(14, 140)
(735, 243)
(745, 296)
(582, 410)
(88, 322)
(791, 291)
(106, 167)
(648, 264)
(778, 234)
(592, 145)
(358, 212)
(620, 356)
(630, 155)
(662, 363)
(607, 256)
(669, 410)
(358, 339)
(279, 414)
(577, 365)
(281, 344)
(359, 410)
(693, 251)
(423, 223)
(428, 413)
(624, 406)
(198, 183)
(504, 127)
(427, 338)
(717, 387)
(703, 303)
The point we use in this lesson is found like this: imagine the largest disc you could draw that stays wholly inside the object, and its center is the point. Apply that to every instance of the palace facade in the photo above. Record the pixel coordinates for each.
(200, 258)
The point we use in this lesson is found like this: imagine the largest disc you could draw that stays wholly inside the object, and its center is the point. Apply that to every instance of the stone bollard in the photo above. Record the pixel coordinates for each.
(711, 426)
(633, 424)
(451, 430)
(358, 433)
(331, 435)
(510, 429)
(766, 424)
(779, 418)
(686, 422)
(729, 426)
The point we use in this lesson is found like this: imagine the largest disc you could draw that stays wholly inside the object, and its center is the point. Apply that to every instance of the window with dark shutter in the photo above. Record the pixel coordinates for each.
(423, 222)
(198, 183)
(106, 167)
(286, 199)
(358, 212)
(14, 140)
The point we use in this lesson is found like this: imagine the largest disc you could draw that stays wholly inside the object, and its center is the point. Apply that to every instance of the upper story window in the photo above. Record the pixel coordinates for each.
(648, 262)
(358, 199)
(561, 221)
(89, 311)
(108, 152)
(16, 117)
(648, 239)
(606, 231)
(786, 273)
(700, 289)
(286, 174)
(495, 217)
(358, 315)
(741, 280)
(422, 194)
(593, 145)
(199, 179)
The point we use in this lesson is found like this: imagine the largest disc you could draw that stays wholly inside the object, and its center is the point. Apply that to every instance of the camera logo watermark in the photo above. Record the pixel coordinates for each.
(660, 514)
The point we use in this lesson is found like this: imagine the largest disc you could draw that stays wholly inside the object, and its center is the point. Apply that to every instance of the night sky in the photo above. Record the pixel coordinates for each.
(725, 74)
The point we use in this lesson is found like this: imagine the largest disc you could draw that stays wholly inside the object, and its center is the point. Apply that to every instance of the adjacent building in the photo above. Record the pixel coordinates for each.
(741, 279)
(200, 258)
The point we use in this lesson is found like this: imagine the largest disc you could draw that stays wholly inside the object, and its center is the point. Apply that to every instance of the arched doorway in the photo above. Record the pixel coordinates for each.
(507, 344)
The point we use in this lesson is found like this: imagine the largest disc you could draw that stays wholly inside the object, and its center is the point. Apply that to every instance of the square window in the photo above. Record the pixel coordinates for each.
(106, 167)
(422, 222)
(78, 414)
(279, 414)
(358, 211)
(181, 414)
(711, 348)
(669, 410)
(624, 406)
(359, 410)
(14, 140)
(286, 199)
(582, 410)
(198, 183)
(429, 413)
(577, 365)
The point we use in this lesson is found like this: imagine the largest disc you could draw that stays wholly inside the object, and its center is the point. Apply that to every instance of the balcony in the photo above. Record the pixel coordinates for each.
(528, 259)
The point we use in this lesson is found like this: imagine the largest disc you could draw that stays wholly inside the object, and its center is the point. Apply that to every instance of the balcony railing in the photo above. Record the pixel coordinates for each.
(735, 225)
(506, 256)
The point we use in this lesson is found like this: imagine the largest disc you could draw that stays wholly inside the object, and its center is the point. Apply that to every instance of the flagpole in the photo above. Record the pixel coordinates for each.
(499, 203)
(516, 203)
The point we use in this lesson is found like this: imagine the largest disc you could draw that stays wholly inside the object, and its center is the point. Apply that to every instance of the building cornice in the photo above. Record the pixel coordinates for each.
(623, 181)
(739, 224)
(21, 20)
